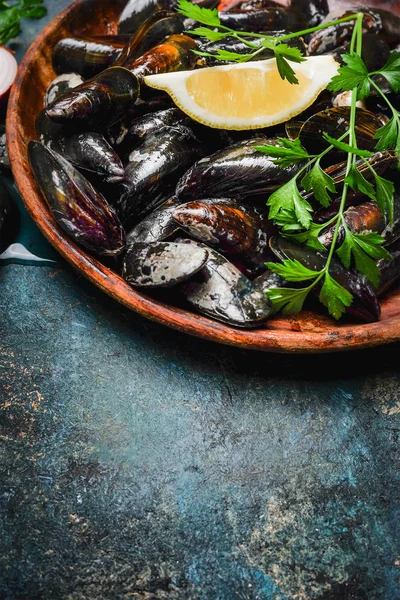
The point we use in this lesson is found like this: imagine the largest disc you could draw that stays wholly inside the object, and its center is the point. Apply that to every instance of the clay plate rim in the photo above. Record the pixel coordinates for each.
(308, 333)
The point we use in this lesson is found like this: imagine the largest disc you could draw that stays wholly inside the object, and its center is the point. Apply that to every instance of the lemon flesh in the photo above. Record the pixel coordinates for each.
(246, 96)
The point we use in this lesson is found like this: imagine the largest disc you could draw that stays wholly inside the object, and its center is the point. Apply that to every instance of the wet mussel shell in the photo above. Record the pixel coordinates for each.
(365, 306)
(153, 170)
(162, 264)
(91, 152)
(237, 171)
(99, 102)
(78, 208)
(335, 122)
(389, 270)
(263, 19)
(9, 218)
(157, 226)
(363, 218)
(157, 27)
(87, 57)
(222, 292)
(4, 158)
(60, 85)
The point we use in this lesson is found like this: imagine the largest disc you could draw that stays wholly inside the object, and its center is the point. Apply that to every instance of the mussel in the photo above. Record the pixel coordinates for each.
(237, 171)
(78, 208)
(87, 57)
(158, 226)
(375, 51)
(263, 19)
(155, 29)
(4, 158)
(60, 85)
(99, 102)
(363, 218)
(221, 291)
(162, 264)
(154, 167)
(233, 229)
(9, 218)
(365, 305)
(389, 270)
(335, 122)
(313, 11)
(136, 12)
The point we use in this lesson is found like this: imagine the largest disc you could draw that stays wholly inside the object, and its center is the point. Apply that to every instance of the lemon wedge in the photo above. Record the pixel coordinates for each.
(246, 95)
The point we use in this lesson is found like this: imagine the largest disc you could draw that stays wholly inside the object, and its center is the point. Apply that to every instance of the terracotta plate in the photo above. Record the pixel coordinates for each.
(309, 332)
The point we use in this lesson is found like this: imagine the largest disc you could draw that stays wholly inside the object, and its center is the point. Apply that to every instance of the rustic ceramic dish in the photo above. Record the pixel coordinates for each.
(309, 332)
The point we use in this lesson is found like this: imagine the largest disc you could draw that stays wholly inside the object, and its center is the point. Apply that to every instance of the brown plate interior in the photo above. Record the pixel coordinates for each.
(309, 332)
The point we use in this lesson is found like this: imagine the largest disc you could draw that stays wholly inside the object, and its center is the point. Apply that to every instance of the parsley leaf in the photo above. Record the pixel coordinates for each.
(205, 16)
(10, 17)
(289, 300)
(354, 75)
(385, 196)
(346, 147)
(319, 182)
(292, 270)
(285, 70)
(365, 248)
(335, 297)
(391, 71)
(293, 54)
(289, 197)
(389, 134)
(357, 181)
(210, 34)
(309, 237)
(286, 152)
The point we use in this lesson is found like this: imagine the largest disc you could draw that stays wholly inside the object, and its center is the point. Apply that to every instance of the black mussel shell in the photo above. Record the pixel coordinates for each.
(157, 27)
(99, 102)
(237, 171)
(314, 11)
(222, 292)
(78, 208)
(60, 85)
(335, 122)
(91, 151)
(263, 19)
(232, 229)
(158, 226)
(162, 264)
(136, 12)
(154, 169)
(363, 218)
(86, 57)
(4, 158)
(389, 270)
(175, 53)
(375, 51)
(269, 280)
(9, 218)
(365, 306)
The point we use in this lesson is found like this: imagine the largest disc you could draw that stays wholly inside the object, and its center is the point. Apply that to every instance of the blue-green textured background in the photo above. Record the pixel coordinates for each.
(140, 463)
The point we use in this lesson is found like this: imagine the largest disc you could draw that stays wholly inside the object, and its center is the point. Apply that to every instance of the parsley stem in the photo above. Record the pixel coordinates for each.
(378, 89)
(290, 36)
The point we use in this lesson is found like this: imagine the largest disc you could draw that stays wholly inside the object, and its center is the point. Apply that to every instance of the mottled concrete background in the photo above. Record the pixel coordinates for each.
(139, 463)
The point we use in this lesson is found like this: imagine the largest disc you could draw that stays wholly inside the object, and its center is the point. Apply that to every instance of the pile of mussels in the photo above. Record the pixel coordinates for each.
(126, 174)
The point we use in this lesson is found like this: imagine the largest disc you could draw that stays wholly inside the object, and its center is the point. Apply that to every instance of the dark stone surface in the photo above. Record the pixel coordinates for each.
(140, 463)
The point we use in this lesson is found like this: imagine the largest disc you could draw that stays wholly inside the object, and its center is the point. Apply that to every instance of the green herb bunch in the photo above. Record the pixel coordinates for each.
(11, 15)
(288, 209)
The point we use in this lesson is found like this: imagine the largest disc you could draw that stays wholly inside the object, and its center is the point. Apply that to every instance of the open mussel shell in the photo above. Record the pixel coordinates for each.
(237, 171)
(60, 85)
(335, 122)
(136, 12)
(363, 218)
(153, 170)
(99, 102)
(263, 19)
(232, 229)
(365, 305)
(162, 264)
(86, 57)
(157, 27)
(175, 53)
(78, 208)
(222, 292)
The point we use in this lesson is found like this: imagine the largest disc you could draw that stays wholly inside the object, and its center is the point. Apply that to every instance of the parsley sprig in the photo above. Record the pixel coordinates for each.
(11, 15)
(293, 213)
(256, 42)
